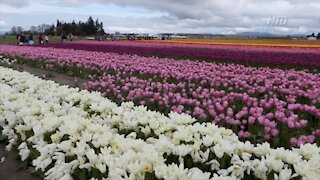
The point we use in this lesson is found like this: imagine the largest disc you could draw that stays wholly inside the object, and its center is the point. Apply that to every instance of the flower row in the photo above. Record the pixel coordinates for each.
(68, 133)
(258, 120)
(307, 57)
(259, 104)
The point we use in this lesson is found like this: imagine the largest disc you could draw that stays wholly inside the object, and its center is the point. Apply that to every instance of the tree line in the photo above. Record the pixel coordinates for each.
(87, 28)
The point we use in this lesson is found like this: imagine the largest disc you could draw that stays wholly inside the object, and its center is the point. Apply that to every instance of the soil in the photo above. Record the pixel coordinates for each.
(60, 78)
(10, 168)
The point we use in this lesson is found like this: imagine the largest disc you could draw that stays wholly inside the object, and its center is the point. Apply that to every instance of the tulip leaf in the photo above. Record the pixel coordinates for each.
(3, 137)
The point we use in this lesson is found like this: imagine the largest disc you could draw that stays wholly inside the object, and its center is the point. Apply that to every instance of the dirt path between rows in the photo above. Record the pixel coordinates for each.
(10, 167)
(60, 78)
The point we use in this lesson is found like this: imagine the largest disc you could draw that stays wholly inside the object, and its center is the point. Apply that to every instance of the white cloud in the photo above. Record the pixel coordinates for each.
(210, 16)
(2, 23)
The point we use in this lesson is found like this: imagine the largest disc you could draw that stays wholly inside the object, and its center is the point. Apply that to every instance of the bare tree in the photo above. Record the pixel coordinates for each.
(13, 30)
(20, 30)
(42, 28)
(16, 30)
(33, 29)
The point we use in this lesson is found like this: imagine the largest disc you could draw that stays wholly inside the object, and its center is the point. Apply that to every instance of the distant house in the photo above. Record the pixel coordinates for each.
(311, 38)
(155, 36)
(90, 38)
(178, 37)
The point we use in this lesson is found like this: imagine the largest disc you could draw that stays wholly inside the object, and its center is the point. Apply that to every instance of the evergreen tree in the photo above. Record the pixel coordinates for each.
(88, 28)
(91, 26)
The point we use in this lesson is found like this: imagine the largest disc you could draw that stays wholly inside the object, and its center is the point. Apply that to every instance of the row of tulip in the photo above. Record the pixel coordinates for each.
(291, 57)
(241, 42)
(71, 134)
(258, 120)
(251, 80)
(7, 61)
(263, 104)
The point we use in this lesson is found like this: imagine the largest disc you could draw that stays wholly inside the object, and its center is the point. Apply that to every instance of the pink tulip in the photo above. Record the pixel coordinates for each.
(274, 132)
(251, 120)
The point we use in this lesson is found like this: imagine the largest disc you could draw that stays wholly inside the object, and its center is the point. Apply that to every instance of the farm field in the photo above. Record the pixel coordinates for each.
(283, 57)
(10, 39)
(174, 146)
(153, 110)
(250, 42)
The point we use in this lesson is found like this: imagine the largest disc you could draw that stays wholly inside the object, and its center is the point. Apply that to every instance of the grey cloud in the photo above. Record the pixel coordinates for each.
(229, 13)
(15, 3)
(206, 15)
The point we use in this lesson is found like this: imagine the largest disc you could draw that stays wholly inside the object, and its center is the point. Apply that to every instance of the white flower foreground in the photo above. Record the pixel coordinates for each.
(68, 133)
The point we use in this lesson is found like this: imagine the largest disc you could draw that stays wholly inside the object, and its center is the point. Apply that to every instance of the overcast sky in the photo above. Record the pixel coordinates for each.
(186, 16)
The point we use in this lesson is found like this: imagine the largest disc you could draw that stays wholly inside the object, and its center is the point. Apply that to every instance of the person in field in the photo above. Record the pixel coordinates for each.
(70, 37)
(40, 39)
(22, 39)
(30, 39)
(63, 37)
(46, 38)
(18, 38)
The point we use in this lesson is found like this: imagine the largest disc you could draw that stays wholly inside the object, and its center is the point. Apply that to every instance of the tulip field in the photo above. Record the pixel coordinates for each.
(160, 110)
(251, 55)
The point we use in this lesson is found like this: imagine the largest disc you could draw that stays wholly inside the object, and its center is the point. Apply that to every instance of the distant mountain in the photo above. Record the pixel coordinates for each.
(298, 35)
(269, 34)
(255, 34)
